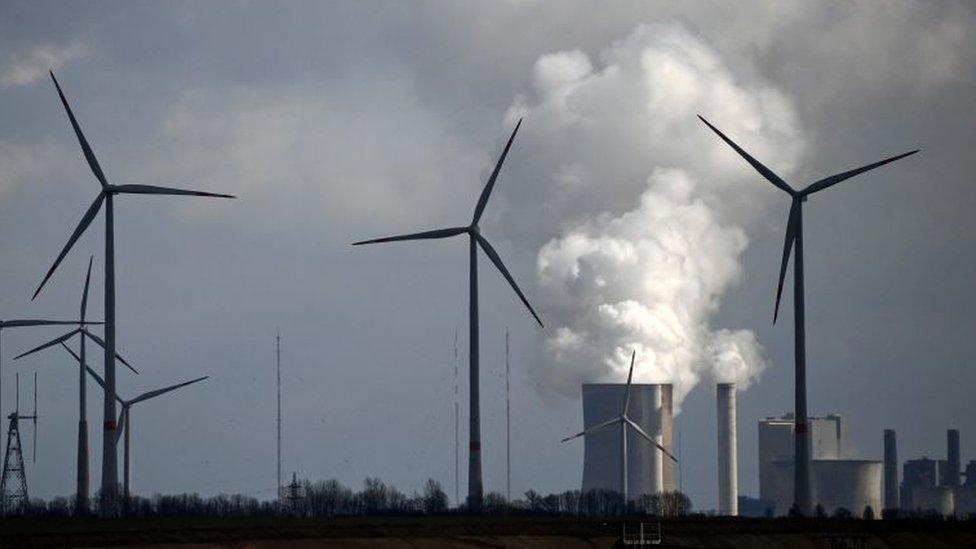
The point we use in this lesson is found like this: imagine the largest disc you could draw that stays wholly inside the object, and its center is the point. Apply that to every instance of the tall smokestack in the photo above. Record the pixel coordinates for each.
(728, 478)
(952, 457)
(890, 470)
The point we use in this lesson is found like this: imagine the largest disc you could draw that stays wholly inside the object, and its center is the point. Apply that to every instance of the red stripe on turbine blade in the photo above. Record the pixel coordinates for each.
(110, 425)
(475, 446)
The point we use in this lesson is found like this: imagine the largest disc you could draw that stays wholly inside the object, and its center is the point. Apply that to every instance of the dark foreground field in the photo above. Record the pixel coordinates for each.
(456, 531)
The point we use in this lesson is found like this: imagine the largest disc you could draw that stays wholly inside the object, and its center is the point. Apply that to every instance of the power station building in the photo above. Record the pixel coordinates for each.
(836, 482)
(651, 407)
(933, 485)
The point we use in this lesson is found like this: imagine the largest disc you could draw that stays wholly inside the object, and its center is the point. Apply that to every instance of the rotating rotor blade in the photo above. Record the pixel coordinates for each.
(766, 172)
(101, 343)
(84, 295)
(630, 376)
(486, 193)
(33, 322)
(641, 432)
(91, 372)
(493, 255)
(835, 179)
(152, 189)
(54, 341)
(89, 155)
(596, 427)
(82, 225)
(164, 390)
(437, 233)
(120, 426)
(787, 247)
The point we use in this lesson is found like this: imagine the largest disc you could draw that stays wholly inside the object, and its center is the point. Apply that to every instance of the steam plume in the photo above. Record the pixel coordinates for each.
(650, 271)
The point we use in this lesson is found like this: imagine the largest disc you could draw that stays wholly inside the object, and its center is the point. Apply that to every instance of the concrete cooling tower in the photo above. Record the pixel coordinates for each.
(648, 469)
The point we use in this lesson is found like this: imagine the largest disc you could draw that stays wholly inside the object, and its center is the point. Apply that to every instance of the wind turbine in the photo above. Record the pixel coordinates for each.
(624, 422)
(475, 239)
(24, 323)
(106, 195)
(81, 496)
(124, 421)
(794, 238)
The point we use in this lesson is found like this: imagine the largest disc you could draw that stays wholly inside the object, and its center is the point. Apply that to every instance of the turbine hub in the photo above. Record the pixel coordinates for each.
(474, 229)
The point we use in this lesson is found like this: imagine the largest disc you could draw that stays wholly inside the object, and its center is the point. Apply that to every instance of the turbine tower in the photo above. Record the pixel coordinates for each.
(83, 486)
(794, 239)
(124, 421)
(110, 473)
(624, 422)
(475, 239)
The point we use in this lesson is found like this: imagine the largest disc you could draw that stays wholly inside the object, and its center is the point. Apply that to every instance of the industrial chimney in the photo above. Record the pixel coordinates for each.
(952, 458)
(728, 481)
(890, 470)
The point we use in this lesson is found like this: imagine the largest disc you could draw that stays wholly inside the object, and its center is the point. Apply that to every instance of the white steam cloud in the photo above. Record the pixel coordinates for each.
(649, 272)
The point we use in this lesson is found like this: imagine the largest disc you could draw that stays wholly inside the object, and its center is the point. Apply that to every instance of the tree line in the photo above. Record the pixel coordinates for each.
(330, 498)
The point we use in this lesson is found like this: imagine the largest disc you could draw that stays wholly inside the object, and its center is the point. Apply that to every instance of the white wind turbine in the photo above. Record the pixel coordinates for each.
(623, 421)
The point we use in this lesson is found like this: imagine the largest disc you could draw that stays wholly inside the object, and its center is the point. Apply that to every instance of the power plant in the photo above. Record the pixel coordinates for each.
(933, 485)
(836, 480)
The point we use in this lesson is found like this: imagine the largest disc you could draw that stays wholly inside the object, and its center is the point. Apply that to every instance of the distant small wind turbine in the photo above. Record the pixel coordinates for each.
(124, 421)
(110, 472)
(475, 490)
(624, 422)
(802, 501)
(82, 491)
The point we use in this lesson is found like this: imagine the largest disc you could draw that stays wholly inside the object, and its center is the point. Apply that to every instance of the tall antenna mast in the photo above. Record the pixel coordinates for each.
(508, 422)
(278, 359)
(457, 466)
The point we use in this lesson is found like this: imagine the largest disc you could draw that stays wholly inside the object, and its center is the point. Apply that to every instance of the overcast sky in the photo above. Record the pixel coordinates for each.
(627, 223)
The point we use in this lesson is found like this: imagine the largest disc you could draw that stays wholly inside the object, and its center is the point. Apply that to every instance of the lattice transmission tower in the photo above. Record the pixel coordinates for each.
(13, 484)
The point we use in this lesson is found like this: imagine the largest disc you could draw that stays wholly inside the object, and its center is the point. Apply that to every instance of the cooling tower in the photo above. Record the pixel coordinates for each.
(728, 484)
(601, 459)
(954, 463)
(890, 470)
(933, 498)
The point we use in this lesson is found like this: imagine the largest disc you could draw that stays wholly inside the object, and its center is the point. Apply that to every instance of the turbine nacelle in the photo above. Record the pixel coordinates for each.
(799, 197)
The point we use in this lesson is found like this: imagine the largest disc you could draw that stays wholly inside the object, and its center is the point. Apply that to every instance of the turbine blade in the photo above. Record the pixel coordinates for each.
(437, 233)
(84, 295)
(630, 376)
(89, 155)
(54, 341)
(493, 255)
(164, 390)
(91, 372)
(32, 322)
(101, 343)
(596, 427)
(641, 432)
(787, 247)
(766, 172)
(835, 179)
(82, 225)
(120, 425)
(483, 199)
(152, 189)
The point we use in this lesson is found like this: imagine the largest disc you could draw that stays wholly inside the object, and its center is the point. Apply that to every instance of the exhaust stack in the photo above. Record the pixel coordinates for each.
(728, 481)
